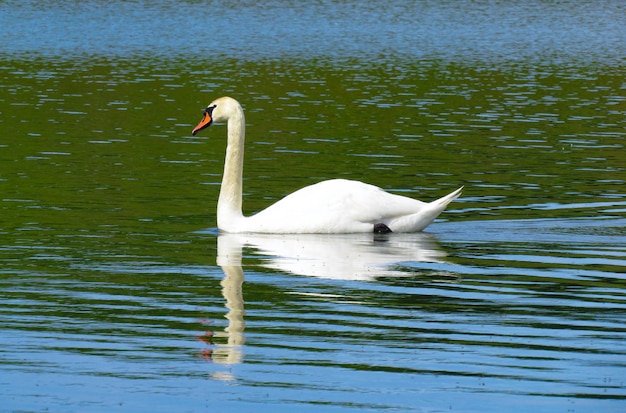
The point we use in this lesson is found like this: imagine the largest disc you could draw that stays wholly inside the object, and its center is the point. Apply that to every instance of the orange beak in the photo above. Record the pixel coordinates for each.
(204, 123)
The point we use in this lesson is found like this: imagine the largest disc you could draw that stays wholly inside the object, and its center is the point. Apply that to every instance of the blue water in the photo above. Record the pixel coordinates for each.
(450, 30)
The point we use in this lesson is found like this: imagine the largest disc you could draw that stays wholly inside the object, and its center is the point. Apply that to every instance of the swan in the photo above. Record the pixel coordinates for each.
(332, 206)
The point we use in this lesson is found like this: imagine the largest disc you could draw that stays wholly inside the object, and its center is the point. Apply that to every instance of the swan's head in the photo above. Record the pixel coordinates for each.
(219, 110)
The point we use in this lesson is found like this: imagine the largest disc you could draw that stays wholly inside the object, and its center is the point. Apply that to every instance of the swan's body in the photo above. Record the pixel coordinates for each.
(333, 206)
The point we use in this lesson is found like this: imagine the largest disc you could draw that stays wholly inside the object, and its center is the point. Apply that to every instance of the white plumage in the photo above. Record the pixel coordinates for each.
(333, 206)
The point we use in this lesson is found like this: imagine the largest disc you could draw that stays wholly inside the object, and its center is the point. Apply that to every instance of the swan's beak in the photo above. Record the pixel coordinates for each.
(204, 123)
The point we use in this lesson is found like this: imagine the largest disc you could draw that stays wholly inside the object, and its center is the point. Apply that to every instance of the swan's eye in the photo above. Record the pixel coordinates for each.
(209, 110)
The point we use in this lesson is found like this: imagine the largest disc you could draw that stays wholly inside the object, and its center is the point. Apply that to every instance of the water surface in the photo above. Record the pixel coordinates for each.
(118, 293)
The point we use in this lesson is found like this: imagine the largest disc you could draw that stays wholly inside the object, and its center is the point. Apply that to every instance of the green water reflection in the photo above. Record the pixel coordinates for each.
(108, 141)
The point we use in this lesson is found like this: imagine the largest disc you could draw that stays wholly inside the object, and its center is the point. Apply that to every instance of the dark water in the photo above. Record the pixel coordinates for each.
(117, 293)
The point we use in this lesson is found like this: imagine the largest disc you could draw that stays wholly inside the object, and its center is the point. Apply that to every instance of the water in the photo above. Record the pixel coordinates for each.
(118, 293)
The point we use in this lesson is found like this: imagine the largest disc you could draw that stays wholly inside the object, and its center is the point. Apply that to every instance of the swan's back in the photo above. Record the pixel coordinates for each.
(337, 206)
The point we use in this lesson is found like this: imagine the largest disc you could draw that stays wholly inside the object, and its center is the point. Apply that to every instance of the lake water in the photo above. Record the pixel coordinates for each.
(118, 294)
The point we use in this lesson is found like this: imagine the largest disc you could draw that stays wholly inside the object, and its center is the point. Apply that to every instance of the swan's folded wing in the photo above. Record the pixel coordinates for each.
(336, 205)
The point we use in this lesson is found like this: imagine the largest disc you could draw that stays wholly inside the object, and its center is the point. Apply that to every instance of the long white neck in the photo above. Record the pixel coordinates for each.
(229, 211)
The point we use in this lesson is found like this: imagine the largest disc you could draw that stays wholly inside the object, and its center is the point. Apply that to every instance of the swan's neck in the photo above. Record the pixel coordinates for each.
(229, 203)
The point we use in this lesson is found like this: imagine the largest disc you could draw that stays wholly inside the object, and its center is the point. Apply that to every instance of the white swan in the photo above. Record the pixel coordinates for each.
(333, 206)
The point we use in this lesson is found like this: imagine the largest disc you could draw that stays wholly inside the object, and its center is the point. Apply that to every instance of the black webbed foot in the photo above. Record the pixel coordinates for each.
(381, 228)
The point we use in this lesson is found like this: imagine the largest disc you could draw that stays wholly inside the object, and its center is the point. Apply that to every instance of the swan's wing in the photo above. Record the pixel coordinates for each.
(336, 205)
(371, 204)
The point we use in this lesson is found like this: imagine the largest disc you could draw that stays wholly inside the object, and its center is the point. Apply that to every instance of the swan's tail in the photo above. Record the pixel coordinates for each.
(420, 220)
(445, 200)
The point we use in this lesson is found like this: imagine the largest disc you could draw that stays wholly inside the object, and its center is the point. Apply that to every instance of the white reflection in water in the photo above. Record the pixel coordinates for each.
(232, 290)
(361, 257)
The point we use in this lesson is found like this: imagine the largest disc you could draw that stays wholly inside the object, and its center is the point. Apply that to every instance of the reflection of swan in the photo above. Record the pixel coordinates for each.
(232, 292)
(346, 256)
(334, 206)
(350, 257)
(229, 353)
